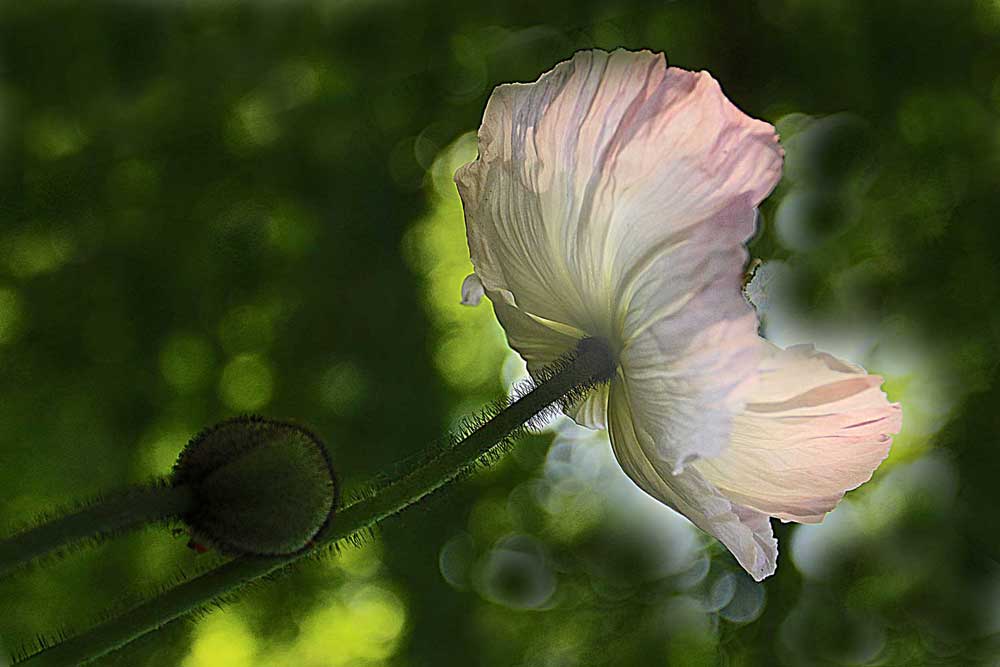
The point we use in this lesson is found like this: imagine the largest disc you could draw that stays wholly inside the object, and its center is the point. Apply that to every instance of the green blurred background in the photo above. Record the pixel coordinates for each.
(213, 207)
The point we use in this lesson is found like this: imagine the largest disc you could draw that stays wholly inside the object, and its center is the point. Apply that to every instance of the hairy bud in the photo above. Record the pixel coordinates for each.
(261, 487)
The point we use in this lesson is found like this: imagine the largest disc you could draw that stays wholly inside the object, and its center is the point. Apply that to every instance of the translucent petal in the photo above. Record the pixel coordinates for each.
(585, 174)
(691, 348)
(613, 198)
(537, 343)
(540, 345)
(814, 428)
(592, 411)
(744, 531)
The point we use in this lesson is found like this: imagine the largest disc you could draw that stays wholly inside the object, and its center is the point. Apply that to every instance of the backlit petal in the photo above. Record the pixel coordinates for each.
(592, 411)
(613, 198)
(691, 349)
(744, 531)
(541, 346)
(814, 428)
(589, 174)
(536, 342)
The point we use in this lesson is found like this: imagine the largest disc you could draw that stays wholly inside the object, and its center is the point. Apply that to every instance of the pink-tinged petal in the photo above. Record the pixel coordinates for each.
(814, 428)
(685, 406)
(586, 176)
(613, 197)
(744, 531)
(691, 350)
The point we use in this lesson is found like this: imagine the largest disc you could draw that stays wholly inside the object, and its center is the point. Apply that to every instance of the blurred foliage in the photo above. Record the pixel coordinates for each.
(210, 207)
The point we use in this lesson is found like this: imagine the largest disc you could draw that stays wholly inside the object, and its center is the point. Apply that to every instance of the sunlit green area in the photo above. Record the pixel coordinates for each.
(216, 207)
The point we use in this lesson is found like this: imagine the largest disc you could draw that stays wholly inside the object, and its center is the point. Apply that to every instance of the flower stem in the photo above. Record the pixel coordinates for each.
(111, 515)
(592, 363)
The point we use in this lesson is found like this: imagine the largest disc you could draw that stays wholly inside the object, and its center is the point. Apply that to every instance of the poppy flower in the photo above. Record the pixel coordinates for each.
(612, 199)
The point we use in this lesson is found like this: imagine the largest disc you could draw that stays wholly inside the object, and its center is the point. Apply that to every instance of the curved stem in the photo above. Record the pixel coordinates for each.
(108, 516)
(591, 364)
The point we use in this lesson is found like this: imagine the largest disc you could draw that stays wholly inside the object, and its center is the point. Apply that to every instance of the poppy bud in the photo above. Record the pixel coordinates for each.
(261, 487)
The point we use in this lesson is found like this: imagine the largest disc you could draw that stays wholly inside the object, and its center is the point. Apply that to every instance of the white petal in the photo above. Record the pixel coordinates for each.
(685, 407)
(692, 348)
(815, 427)
(585, 173)
(744, 531)
(613, 196)
(472, 290)
(592, 411)
(540, 346)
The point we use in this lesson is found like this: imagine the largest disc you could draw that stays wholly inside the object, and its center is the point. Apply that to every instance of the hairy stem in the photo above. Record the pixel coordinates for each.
(111, 515)
(592, 363)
